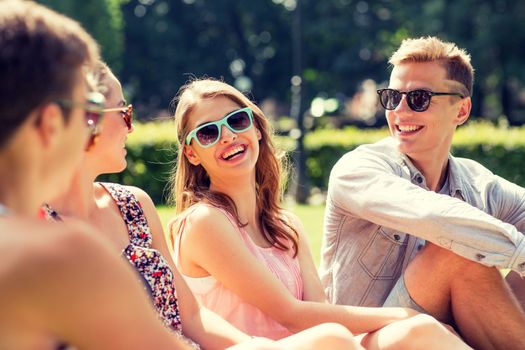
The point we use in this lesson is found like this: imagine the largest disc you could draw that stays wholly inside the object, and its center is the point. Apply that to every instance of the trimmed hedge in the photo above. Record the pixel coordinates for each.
(151, 153)
(149, 166)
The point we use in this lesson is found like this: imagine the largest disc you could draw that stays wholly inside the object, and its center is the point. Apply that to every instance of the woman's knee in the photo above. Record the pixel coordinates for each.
(323, 336)
(333, 336)
(417, 332)
(425, 332)
(423, 324)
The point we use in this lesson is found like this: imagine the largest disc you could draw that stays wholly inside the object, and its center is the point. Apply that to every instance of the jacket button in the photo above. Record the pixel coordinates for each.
(397, 237)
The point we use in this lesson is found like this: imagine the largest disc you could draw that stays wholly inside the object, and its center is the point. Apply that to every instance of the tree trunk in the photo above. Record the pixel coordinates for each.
(300, 186)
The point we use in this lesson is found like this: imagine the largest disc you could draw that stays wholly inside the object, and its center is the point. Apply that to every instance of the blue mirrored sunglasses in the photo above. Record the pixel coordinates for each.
(208, 134)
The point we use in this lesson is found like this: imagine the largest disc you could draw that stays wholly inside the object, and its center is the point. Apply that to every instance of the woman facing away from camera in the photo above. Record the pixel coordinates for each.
(127, 218)
(241, 254)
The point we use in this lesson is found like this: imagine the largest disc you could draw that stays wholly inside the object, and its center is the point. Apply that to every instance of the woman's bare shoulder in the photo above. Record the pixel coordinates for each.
(64, 278)
(35, 239)
(208, 217)
(36, 253)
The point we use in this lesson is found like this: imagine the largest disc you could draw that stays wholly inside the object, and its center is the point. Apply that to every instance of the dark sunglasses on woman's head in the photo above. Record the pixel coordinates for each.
(93, 113)
(126, 112)
(208, 134)
(418, 100)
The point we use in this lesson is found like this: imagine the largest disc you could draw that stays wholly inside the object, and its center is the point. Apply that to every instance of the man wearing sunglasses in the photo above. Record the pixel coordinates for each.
(408, 224)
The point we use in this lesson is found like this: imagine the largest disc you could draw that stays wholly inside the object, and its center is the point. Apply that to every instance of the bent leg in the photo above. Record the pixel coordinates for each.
(472, 296)
(324, 336)
(331, 336)
(418, 332)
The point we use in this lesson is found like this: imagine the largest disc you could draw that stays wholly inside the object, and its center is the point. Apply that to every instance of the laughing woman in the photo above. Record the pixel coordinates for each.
(242, 255)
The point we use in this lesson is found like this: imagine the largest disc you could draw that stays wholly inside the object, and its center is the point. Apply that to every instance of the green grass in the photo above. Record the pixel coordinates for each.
(165, 213)
(312, 218)
(310, 215)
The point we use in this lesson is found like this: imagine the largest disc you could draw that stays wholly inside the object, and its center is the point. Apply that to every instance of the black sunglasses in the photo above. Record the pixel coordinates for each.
(418, 100)
(126, 112)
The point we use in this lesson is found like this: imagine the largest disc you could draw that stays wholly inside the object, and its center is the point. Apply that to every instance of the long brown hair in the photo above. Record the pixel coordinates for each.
(190, 184)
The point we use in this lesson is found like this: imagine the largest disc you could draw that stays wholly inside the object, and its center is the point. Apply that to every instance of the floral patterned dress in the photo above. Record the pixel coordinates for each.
(151, 265)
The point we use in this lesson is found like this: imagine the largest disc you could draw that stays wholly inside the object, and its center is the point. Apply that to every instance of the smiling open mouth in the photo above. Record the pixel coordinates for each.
(408, 128)
(233, 152)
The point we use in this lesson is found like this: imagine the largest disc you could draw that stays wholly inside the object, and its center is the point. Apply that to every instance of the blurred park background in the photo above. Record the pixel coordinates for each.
(313, 67)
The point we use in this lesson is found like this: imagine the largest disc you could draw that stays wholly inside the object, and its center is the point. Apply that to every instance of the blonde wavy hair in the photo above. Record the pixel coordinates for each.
(456, 61)
(190, 184)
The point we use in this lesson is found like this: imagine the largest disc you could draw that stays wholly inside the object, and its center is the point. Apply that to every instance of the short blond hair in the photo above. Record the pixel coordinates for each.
(456, 61)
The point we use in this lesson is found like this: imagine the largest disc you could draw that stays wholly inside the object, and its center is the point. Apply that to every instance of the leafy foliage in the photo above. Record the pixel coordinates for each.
(103, 19)
(156, 45)
(152, 153)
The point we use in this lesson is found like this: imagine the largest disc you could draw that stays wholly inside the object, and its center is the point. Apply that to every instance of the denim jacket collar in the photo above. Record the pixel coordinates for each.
(455, 179)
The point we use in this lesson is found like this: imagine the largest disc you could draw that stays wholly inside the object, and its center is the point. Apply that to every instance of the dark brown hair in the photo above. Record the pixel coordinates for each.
(41, 51)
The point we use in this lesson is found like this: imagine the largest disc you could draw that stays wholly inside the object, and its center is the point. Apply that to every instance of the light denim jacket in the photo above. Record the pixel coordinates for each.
(379, 213)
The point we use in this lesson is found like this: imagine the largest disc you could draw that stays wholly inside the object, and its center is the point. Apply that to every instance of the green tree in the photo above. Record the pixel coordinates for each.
(249, 44)
(245, 43)
(103, 19)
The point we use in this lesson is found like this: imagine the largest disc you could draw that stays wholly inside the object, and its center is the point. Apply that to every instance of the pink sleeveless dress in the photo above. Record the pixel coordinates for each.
(216, 297)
